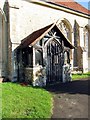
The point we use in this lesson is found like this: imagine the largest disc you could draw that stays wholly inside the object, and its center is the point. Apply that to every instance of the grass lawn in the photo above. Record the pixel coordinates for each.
(80, 76)
(25, 101)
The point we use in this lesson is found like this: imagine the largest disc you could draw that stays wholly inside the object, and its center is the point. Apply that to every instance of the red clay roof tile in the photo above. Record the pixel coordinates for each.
(72, 5)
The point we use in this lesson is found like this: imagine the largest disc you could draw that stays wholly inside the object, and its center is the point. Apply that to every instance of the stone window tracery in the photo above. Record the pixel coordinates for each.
(65, 29)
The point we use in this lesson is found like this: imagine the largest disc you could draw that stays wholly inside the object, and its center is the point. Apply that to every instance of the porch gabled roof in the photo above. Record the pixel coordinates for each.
(39, 34)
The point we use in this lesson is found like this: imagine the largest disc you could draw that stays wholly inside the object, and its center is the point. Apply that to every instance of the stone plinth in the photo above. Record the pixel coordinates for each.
(1, 80)
(36, 76)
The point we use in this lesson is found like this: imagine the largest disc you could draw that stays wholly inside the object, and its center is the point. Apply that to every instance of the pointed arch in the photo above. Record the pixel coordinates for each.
(87, 39)
(68, 24)
(87, 27)
(54, 59)
(52, 39)
(66, 27)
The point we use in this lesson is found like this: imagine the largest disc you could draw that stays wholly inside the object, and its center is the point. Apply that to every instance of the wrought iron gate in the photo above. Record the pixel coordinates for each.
(54, 62)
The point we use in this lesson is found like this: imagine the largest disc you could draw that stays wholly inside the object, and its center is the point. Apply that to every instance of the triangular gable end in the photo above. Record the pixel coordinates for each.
(33, 38)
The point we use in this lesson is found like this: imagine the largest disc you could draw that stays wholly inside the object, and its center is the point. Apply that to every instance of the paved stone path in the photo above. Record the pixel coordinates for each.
(71, 99)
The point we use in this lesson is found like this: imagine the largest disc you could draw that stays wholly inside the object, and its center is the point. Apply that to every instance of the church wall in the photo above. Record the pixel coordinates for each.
(3, 46)
(0, 44)
(4, 49)
(88, 64)
(26, 17)
(89, 50)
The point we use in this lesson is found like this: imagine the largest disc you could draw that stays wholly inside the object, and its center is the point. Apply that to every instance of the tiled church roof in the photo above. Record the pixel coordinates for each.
(72, 5)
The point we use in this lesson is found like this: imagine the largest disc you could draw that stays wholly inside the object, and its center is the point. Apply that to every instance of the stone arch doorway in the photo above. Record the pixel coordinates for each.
(54, 61)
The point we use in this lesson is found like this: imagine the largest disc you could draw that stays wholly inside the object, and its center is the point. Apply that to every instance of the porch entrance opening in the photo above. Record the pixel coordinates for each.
(54, 62)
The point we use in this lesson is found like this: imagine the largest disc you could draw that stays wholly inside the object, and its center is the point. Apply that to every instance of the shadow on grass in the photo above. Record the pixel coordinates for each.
(74, 87)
